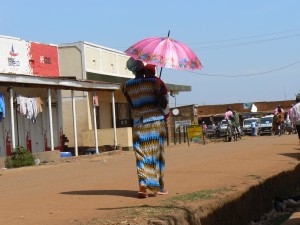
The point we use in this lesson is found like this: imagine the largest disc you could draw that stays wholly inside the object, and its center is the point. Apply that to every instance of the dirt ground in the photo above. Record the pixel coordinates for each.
(101, 189)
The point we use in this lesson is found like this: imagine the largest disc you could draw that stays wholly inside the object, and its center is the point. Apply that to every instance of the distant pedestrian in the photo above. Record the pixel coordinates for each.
(253, 128)
(236, 121)
(278, 119)
(296, 115)
(204, 126)
(278, 109)
(228, 114)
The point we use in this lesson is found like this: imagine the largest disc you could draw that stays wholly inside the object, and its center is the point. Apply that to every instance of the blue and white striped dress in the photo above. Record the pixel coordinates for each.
(148, 129)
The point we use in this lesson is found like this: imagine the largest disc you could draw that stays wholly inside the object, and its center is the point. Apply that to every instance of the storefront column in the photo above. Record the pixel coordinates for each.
(74, 124)
(50, 119)
(114, 119)
(95, 125)
(12, 118)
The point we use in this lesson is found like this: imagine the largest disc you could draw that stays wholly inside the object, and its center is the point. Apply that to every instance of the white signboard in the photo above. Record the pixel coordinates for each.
(14, 56)
(180, 124)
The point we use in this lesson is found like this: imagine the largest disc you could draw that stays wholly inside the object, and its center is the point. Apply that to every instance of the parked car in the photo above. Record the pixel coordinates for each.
(210, 131)
(266, 125)
(223, 127)
(247, 125)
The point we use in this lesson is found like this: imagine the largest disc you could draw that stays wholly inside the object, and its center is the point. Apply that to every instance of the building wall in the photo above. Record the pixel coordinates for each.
(104, 61)
(93, 61)
(110, 63)
(70, 62)
(81, 118)
(105, 108)
(106, 137)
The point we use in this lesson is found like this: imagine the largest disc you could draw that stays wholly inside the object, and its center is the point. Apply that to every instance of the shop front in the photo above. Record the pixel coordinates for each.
(32, 99)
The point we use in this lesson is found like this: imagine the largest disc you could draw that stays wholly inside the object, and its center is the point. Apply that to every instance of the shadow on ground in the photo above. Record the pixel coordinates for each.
(124, 193)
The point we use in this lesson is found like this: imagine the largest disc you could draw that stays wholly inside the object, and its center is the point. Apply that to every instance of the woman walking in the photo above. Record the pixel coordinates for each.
(148, 98)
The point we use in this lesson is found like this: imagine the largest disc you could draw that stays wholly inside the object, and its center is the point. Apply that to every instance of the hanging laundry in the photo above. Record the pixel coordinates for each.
(2, 107)
(29, 107)
(34, 109)
(39, 104)
(21, 105)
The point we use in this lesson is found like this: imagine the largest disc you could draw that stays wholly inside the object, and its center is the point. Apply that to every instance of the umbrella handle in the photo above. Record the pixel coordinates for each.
(160, 72)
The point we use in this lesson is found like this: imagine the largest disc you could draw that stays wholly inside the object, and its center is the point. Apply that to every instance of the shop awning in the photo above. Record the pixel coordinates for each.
(66, 83)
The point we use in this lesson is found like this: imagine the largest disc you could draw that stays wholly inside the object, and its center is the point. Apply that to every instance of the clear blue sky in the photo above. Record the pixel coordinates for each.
(230, 37)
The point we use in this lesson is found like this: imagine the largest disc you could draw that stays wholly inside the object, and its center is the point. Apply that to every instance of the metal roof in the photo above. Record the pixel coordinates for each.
(67, 83)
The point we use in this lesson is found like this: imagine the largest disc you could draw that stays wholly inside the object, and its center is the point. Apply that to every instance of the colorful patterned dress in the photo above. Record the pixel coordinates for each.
(145, 95)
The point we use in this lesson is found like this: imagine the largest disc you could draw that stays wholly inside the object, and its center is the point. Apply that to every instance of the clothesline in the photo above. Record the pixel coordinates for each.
(29, 107)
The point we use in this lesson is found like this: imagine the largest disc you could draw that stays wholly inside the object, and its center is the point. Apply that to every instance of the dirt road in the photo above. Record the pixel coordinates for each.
(78, 190)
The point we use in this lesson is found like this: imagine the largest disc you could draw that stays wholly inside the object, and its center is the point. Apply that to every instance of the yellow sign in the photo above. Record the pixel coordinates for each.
(195, 131)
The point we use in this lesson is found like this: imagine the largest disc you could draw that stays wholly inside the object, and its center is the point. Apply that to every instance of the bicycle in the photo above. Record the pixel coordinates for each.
(231, 133)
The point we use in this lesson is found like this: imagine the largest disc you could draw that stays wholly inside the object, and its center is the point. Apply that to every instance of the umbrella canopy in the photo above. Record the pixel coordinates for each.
(165, 52)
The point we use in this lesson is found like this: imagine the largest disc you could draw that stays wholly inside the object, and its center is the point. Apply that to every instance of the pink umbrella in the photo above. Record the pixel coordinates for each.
(165, 52)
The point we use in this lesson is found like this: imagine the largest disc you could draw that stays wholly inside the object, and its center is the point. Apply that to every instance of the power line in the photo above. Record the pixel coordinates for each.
(247, 37)
(246, 75)
(243, 43)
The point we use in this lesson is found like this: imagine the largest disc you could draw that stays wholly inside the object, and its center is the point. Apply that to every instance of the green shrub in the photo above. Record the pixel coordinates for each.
(20, 157)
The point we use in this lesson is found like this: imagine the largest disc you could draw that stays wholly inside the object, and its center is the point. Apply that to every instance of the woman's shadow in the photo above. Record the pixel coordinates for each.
(124, 193)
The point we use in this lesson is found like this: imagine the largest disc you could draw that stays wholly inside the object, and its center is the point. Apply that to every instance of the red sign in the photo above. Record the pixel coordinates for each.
(44, 60)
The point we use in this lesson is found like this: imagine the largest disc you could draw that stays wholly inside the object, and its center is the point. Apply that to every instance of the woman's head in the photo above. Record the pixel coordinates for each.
(134, 65)
(149, 70)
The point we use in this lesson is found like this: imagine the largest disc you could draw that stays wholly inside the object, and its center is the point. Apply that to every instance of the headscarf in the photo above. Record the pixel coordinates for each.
(134, 65)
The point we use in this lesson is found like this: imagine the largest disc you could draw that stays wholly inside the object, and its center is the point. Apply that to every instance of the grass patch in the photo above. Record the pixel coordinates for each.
(255, 177)
(199, 195)
(149, 210)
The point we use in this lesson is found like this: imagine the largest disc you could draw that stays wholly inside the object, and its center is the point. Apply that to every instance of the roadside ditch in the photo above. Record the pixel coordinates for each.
(257, 201)
(218, 207)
